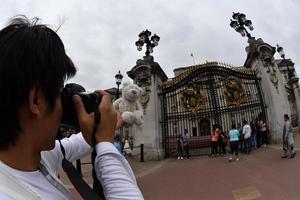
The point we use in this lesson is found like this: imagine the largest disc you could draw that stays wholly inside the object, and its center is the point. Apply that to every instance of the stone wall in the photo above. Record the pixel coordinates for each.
(260, 57)
(149, 76)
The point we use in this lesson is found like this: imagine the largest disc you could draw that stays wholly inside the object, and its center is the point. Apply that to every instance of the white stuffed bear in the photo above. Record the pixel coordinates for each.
(129, 105)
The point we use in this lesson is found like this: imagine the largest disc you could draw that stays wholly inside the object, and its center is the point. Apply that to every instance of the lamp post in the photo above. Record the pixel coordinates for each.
(291, 75)
(144, 38)
(119, 78)
(240, 24)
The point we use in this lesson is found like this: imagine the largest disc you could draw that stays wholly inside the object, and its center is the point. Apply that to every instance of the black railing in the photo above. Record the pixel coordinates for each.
(212, 79)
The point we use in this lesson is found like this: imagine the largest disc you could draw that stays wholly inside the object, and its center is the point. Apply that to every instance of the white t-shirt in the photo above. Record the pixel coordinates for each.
(247, 131)
(109, 161)
(37, 182)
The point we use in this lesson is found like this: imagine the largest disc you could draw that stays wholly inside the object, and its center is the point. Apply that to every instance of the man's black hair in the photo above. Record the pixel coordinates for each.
(286, 116)
(31, 55)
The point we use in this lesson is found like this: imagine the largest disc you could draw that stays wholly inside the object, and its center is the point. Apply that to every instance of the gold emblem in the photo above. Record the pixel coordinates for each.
(193, 98)
(234, 92)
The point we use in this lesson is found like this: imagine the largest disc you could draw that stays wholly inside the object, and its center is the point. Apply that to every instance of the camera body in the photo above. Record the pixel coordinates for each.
(90, 101)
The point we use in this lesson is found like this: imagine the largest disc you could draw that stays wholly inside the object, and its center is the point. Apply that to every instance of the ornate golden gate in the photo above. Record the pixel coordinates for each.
(207, 95)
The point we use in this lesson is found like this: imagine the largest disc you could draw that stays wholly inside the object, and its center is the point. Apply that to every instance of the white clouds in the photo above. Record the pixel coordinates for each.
(100, 35)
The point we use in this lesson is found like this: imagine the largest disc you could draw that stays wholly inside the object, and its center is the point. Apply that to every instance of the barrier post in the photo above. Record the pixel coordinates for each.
(142, 153)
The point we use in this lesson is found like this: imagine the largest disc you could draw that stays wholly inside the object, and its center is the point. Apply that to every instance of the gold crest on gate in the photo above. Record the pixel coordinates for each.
(193, 98)
(234, 92)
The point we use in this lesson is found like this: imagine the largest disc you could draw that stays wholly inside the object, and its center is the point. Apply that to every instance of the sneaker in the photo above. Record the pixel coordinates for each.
(178, 158)
(181, 158)
(230, 159)
(284, 156)
(293, 155)
(237, 159)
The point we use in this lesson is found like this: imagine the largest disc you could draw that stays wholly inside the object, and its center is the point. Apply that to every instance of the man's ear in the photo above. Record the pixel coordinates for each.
(34, 100)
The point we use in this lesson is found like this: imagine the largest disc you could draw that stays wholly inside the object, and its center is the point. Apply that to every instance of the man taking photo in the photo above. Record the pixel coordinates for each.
(33, 68)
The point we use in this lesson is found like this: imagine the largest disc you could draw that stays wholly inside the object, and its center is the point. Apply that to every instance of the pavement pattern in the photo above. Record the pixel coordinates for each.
(262, 175)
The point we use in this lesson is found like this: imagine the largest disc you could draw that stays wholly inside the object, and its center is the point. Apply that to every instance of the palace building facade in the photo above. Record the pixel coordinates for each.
(202, 96)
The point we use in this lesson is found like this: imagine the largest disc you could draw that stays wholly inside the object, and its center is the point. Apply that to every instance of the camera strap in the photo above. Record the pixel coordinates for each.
(97, 187)
(81, 186)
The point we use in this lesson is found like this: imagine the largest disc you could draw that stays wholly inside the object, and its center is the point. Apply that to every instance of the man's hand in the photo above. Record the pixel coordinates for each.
(105, 130)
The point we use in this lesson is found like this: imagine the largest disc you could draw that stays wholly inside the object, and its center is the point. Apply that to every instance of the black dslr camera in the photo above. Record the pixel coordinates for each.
(90, 101)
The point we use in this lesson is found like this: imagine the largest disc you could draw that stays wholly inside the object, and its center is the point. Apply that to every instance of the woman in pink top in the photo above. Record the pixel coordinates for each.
(214, 142)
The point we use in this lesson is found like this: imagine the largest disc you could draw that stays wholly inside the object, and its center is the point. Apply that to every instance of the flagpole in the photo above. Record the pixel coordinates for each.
(193, 58)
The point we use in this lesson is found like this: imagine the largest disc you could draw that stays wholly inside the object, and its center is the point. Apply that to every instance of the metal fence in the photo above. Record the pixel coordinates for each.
(204, 96)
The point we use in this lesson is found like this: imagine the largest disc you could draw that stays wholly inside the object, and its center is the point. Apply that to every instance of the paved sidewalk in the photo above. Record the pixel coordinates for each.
(260, 175)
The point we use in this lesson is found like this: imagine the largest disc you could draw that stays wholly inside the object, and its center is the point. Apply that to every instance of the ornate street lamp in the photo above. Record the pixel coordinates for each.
(144, 38)
(119, 78)
(240, 24)
(291, 74)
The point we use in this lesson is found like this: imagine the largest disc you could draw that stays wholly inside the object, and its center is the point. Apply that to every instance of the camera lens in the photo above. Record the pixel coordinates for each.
(90, 101)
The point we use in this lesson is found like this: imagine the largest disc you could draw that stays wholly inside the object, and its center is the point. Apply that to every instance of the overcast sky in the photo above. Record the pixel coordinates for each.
(100, 35)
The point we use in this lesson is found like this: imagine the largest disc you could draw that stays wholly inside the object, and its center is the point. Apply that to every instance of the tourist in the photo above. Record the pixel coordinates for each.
(247, 135)
(288, 139)
(186, 143)
(214, 142)
(127, 148)
(264, 132)
(234, 142)
(222, 142)
(118, 143)
(179, 147)
(253, 136)
(241, 137)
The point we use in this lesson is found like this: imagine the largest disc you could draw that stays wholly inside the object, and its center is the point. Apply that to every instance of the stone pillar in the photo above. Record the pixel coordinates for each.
(297, 100)
(286, 66)
(148, 75)
(260, 57)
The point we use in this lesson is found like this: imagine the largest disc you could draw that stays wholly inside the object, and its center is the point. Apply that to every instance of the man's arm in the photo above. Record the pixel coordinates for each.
(75, 148)
(115, 173)
(111, 167)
